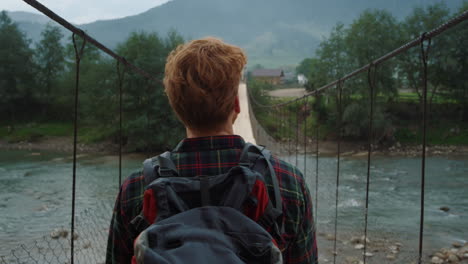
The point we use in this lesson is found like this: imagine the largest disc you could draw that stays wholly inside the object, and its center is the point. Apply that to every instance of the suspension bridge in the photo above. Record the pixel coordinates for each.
(300, 148)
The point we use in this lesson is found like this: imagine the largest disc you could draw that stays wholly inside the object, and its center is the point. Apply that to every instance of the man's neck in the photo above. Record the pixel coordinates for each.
(229, 130)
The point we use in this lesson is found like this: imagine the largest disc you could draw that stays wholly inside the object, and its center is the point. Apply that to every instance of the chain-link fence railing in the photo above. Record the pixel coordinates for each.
(90, 240)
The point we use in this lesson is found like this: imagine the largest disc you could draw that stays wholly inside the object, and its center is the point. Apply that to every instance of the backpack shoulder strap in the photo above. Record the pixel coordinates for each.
(159, 166)
(245, 160)
(153, 168)
(149, 170)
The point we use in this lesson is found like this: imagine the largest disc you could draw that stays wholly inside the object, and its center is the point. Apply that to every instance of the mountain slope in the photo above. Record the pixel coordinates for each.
(31, 24)
(273, 32)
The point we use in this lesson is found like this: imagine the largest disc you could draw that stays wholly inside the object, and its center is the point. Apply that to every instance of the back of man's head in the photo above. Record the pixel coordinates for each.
(201, 81)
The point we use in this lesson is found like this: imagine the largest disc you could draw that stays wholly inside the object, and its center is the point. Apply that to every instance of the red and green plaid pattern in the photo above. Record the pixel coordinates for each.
(212, 156)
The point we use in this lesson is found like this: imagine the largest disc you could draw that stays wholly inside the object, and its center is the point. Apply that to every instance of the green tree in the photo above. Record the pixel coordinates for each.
(149, 121)
(16, 71)
(440, 54)
(372, 35)
(369, 37)
(50, 58)
(92, 82)
(457, 84)
(173, 40)
(316, 74)
(305, 66)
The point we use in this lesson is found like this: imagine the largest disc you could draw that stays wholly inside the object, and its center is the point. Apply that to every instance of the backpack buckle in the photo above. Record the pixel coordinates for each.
(244, 164)
(166, 172)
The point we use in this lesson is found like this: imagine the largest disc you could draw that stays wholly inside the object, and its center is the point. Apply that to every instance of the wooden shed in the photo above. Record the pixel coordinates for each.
(272, 76)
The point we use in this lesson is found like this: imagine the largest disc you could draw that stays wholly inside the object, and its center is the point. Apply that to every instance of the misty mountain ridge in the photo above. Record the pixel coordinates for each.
(273, 32)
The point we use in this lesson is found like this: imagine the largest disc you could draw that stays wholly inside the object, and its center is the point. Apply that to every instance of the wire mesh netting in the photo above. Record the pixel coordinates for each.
(90, 241)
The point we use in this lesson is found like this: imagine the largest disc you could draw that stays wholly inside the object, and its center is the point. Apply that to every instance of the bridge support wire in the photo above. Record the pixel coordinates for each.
(317, 127)
(424, 58)
(78, 55)
(371, 76)
(296, 148)
(278, 116)
(305, 111)
(289, 134)
(120, 79)
(338, 156)
(285, 127)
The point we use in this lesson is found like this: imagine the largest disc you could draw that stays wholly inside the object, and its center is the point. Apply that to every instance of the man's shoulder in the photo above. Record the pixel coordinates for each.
(286, 169)
(133, 186)
(290, 178)
(134, 177)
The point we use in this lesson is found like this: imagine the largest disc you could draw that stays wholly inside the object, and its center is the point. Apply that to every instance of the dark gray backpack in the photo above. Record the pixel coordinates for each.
(227, 218)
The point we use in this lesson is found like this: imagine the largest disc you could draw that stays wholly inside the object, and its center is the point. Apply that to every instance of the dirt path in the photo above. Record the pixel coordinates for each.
(242, 126)
(290, 92)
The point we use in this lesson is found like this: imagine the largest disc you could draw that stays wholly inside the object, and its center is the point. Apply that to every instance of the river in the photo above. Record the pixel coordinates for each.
(35, 198)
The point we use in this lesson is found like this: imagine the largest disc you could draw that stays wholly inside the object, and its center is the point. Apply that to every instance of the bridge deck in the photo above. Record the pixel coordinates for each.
(243, 126)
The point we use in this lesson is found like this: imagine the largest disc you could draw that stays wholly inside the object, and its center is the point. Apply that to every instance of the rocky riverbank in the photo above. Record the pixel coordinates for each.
(412, 151)
(59, 144)
(327, 148)
(458, 253)
(359, 149)
(350, 250)
(415, 150)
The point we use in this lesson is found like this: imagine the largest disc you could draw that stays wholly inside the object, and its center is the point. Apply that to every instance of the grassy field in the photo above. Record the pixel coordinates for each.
(439, 134)
(34, 132)
(413, 97)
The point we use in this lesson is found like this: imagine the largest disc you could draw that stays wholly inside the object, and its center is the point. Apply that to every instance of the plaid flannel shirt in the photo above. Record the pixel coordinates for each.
(212, 156)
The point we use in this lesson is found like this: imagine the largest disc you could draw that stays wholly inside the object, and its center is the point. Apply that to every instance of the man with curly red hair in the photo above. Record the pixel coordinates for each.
(202, 81)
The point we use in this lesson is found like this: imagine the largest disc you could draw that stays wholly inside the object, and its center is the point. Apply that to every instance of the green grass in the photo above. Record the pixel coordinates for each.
(95, 134)
(413, 98)
(439, 135)
(33, 132)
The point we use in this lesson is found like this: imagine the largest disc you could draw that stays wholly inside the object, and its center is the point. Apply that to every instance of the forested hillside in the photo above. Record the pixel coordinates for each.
(37, 78)
(274, 32)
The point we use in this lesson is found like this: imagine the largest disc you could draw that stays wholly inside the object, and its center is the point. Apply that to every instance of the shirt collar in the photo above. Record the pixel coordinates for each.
(210, 143)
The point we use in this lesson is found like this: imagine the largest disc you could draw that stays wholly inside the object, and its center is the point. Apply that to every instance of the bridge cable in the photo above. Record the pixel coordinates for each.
(120, 79)
(316, 154)
(285, 130)
(280, 129)
(424, 59)
(298, 110)
(371, 78)
(290, 133)
(338, 154)
(305, 108)
(279, 135)
(78, 56)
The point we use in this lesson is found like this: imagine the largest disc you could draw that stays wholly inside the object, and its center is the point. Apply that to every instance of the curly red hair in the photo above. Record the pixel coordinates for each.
(202, 79)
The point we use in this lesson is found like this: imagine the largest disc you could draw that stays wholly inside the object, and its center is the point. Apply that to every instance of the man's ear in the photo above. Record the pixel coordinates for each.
(237, 105)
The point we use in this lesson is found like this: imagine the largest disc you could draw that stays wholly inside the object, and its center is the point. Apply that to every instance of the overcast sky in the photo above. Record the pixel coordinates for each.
(85, 11)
